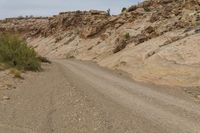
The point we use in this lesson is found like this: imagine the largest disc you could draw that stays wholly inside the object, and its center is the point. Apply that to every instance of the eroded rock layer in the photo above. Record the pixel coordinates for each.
(156, 41)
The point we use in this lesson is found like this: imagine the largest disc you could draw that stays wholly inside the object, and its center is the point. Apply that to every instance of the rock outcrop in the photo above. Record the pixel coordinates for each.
(156, 41)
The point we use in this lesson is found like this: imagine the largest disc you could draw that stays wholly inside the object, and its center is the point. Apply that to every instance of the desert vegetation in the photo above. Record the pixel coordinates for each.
(16, 73)
(14, 53)
(121, 42)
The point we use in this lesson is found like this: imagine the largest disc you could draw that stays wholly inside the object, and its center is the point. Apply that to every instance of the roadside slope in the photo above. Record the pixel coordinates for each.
(156, 41)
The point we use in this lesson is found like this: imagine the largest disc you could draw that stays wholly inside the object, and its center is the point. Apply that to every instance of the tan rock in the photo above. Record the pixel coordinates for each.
(6, 98)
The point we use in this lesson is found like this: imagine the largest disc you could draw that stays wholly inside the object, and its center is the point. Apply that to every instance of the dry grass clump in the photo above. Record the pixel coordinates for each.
(16, 73)
(2, 66)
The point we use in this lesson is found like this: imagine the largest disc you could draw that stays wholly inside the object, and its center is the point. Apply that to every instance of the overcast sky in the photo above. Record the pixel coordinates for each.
(11, 8)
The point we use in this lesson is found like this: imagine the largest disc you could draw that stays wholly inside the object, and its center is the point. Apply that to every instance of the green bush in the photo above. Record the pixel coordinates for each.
(123, 9)
(127, 36)
(15, 53)
(146, 9)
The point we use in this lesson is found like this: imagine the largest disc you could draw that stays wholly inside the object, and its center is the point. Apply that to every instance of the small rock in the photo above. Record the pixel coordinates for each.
(154, 17)
(6, 98)
(117, 25)
(132, 8)
(149, 29)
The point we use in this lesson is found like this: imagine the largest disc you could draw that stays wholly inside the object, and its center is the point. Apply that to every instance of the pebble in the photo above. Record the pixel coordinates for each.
(6, 98)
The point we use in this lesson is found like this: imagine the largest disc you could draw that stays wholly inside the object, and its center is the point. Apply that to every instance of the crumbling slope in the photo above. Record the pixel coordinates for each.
(156, 41)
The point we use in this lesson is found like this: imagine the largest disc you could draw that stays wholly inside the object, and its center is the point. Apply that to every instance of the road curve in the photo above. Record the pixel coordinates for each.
(80, 97)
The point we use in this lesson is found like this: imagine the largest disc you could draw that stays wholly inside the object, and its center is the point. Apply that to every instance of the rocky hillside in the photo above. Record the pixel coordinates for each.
(157, 41)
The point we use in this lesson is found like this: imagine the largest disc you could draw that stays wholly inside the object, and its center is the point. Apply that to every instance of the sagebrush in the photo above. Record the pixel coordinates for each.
(15, 53)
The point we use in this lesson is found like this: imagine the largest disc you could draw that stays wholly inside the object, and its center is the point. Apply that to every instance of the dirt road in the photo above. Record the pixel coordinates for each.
(78, 97)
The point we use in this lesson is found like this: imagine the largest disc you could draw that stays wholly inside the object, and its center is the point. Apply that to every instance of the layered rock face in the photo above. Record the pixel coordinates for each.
(156, 41)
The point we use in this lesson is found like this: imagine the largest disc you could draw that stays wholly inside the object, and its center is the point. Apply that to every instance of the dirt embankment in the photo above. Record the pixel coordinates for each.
(155, 41)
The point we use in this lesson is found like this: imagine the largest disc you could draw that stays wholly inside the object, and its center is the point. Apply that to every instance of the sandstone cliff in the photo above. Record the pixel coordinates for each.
(157, 41)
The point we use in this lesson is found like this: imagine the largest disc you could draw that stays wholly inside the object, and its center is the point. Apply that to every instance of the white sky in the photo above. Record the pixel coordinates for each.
(14, 8)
